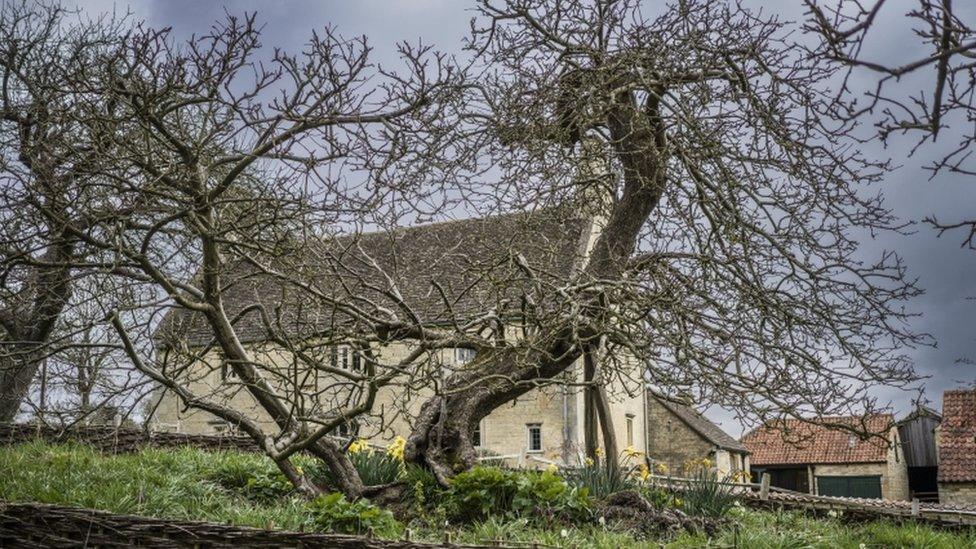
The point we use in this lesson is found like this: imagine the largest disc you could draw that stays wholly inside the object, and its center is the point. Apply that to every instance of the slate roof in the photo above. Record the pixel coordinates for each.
(701, 425)
(957, 437)
(830, 440)
(471, 260)
(920, 411)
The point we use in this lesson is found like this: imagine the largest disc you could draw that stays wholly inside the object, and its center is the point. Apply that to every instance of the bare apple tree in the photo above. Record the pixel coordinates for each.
(229, 170)
(702, 146)
(728, 259)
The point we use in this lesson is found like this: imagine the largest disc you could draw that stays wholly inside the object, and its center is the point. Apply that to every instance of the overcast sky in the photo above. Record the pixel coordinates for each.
(946, 271)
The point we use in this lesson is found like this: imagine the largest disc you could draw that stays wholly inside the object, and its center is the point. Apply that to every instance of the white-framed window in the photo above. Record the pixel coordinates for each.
(534, 433)
(630, 429)
(476, 439)
(463, 355)
(345, 357)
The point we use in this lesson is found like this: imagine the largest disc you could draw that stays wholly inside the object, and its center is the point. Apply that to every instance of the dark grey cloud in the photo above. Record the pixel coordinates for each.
(946, 271)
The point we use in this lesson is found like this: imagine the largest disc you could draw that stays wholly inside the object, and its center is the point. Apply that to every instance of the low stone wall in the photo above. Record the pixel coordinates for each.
(120, 440)
(963, 493)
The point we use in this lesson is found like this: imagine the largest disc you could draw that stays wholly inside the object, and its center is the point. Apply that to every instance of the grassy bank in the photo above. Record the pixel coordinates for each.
(245, 489)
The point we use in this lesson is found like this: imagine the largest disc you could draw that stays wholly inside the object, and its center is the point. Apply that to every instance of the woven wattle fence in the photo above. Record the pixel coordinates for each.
(33, 525)
(121, 440)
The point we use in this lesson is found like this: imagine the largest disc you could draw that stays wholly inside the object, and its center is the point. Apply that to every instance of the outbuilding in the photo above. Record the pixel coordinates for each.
(848, 456)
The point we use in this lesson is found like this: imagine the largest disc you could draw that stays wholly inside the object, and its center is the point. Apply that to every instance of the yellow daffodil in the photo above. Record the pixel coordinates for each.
(396, 448)
(588, 461)
(632, 452)
(358, 445)
(552, 468)
(599, 452)
(661, 468)
(643, 472)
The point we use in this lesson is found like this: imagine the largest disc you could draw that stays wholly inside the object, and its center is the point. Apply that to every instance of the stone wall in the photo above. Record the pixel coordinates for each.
(957, 493)
(895, 483)
(504, 432)
(671, 441)
(557, 409)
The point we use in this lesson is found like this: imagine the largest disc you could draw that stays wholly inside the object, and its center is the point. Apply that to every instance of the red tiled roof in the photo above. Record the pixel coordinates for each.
(829, 440)
(957, 437)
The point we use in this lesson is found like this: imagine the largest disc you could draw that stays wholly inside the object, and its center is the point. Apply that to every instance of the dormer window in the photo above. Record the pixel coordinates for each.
(346, 358)
(463, 355)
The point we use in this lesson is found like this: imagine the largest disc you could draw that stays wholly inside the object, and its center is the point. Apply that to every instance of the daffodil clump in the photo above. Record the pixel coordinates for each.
(693, 466)
(643, 472)
(359, 445)
(632, 452)
(396, 448)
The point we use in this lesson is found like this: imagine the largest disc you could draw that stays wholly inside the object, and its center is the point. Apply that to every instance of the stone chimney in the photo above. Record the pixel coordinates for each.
(596, 185)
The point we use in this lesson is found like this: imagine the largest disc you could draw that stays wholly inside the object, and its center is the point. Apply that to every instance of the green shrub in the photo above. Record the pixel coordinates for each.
(707, 495)
(549, 494)
(486, 491)
(599, 480)
(334, 513)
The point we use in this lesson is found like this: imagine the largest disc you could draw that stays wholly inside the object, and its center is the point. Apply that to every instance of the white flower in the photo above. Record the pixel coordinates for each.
(833, 514)
(862, 546)
(602, 521)
(564, 533)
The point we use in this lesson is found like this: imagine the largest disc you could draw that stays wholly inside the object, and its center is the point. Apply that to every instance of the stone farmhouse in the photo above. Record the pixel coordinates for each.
(470, 260)
(828, 460)
(956, 445)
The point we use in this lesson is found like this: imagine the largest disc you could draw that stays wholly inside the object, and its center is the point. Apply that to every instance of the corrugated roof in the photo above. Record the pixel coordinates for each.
(838, 439)
(443, 270)
(957, 437)
(700, 424)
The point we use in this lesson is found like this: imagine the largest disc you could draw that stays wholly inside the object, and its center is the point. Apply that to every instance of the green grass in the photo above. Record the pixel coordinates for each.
(154, 482)
(245, 489)
(797, 530)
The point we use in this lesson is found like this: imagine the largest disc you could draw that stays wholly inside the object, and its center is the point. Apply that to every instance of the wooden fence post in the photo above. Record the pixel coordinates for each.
(764, 487)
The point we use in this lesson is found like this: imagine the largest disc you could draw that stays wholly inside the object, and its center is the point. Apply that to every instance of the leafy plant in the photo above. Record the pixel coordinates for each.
(707, 495)
(334, 513)
(487, 491)
(251, 478)
(421, 485)
(658, 498)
